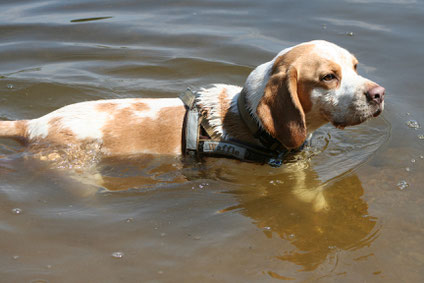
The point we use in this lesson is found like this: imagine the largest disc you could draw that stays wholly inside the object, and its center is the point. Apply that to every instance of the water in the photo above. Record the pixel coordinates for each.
(345, 210)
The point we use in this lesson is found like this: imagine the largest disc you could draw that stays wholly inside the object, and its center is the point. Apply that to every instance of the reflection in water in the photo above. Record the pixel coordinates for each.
(296, 202)
(145, 172)
(317, 219)
(292, 202)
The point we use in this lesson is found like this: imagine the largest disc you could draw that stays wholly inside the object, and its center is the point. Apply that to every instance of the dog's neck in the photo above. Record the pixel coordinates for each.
(254, 87)
(219, 105)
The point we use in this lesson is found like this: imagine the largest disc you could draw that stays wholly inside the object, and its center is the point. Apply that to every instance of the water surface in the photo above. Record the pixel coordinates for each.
(348, 209)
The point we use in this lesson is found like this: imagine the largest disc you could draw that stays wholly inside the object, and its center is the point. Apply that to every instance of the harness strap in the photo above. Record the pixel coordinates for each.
(197, 147)
(188, 98)
(240, 151)
(192, 125)
(192, 129)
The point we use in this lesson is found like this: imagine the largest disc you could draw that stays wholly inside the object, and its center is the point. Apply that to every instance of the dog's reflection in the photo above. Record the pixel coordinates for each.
(318, 219)
(291, 202)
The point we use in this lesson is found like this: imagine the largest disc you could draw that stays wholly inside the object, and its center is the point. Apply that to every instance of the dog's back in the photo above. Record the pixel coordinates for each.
(120, 127)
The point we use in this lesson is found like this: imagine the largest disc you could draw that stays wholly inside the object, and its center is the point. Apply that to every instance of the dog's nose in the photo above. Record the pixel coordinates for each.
(376, 94)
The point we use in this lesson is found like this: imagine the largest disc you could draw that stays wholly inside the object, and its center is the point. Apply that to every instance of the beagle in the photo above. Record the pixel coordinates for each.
(289, 97)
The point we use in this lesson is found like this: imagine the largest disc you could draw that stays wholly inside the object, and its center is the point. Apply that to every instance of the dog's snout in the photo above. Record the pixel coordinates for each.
(376, 94)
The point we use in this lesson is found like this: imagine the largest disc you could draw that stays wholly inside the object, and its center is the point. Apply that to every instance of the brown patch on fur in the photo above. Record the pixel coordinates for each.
(126, 134)
(304, 66)
(107, 107)
(280, 110)
(223, 102)
(139, 106)
(111, 107)
(58, 134)
(288, 59)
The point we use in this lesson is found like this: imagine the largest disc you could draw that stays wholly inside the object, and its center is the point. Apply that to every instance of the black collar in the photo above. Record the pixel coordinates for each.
(251, 123)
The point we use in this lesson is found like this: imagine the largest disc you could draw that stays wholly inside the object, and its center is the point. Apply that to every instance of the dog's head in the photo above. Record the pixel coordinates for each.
(308, 85)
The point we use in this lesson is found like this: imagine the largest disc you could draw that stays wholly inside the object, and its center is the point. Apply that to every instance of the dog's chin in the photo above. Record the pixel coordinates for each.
(350, 122)
(374, 111)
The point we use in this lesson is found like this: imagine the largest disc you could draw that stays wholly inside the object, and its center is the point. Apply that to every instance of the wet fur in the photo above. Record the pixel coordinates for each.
(286, 96)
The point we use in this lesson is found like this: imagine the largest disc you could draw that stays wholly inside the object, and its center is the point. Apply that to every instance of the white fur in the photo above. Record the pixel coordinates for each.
(208, 98)
(81, 118)
(86, 121)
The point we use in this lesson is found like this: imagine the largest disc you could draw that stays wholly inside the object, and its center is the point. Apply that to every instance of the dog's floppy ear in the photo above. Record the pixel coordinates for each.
(280, 110)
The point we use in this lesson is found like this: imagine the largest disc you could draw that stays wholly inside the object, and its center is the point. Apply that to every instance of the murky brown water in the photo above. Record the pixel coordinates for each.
(335, 215)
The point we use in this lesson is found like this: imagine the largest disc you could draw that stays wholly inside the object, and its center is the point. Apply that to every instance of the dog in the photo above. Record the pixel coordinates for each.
(289, 97)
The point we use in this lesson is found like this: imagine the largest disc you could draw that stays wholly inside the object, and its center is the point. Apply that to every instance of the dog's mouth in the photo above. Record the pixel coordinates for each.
(376, 113)
(342, 125)
(379, 110)
(356, 113)
(359, 119)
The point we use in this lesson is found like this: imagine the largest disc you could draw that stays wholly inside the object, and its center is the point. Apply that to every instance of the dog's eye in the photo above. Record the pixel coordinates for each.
(355, 67)
(329, 77)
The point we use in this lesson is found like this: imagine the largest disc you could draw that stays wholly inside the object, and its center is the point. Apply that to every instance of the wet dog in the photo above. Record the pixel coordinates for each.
(298, 91)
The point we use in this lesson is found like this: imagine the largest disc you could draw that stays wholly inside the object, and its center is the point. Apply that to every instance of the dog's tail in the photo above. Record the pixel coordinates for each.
(13, 129)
